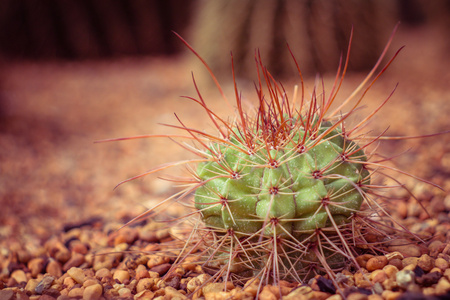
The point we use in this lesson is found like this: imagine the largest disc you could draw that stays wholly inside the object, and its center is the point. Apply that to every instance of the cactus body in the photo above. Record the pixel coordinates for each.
(291, 183)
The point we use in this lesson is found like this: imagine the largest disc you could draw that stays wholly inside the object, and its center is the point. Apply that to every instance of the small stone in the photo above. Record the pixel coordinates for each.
(172, 293)
(376, 263)
(102, 273)
(77, 274)
(429, 279)
(155, 260)
(357, 296)
(390, 271)
(362, 280)
(54, 268)
(63, 255)
(405, 278)
(31, 286)
(121, 275)
(410, 261)
(317, 295)
(6, 294)
(174, 281)
(36, 266)
(19, 276)
(266, 294)
(405, 247)
(125, 293)
(390, 295)
(362, 259)
(142, 274)
(394, 255)
(126, 235)
(390, 284)
(44, 284)
(76, 293)
(436, 247)
(378, 276)
(79, 247)
(396, 263)
(89, 282)
(76, 260)
(217, 287)
(443, 286)
(441, 264)
(144, 295)
(161, 269)
(426, 262)
(69, 282)
(435, 269)
(144, 284)
(93, 292)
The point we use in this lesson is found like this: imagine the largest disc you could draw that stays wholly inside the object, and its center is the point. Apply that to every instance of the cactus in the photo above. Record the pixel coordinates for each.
(288, 192)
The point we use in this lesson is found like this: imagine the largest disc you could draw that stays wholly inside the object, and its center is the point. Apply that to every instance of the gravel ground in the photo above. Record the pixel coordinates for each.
(58, 206)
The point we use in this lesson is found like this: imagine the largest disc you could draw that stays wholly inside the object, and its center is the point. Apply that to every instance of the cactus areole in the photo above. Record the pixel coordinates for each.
(282, 175)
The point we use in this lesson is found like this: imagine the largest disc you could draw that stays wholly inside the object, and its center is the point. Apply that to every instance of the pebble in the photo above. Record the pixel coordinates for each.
(390, 295)
(144, 295)
(378, 276)
(357, 296)
(36, 266)
(145, 284)
(76, 293)
(396, 263)
(405, 278)
(443, 286)
(266, 294)
(77, 274)
(362, 259)
(376, 263)
(441, 264)
(126, 235)
(410, 261)
(436, 247)
(172, 293)
(155, 260)
(76, 260)
(44, 284)
(121, 275)
(161, 269)
(426, 262)
(31, 285)
(54, 268)
(19, 276)
(93, 292)
(79, 247)
(102, 273)
(6, 294)
(405, 247)
(390, 271)
(362, 280)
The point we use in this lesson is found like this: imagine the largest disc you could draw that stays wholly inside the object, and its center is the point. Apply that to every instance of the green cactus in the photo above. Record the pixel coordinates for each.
(244, 188)
(286, 193)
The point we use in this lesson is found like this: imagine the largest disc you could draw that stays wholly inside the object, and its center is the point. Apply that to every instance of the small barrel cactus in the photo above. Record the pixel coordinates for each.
(286, 193)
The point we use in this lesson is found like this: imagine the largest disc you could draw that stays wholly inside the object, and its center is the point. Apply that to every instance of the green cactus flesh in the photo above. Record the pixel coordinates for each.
(311, 175)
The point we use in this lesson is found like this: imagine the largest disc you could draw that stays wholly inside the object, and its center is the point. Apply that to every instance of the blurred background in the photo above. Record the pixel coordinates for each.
(317, 30)
(76, 71)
